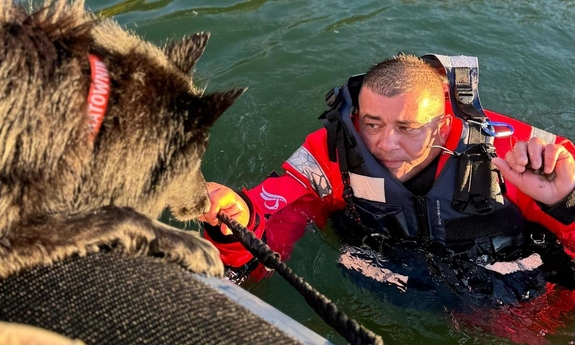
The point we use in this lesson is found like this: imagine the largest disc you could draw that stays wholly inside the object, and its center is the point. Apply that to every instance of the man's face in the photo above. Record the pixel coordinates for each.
(399, 131)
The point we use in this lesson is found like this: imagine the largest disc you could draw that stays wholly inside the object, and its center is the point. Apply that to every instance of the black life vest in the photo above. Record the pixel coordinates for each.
(464, 212)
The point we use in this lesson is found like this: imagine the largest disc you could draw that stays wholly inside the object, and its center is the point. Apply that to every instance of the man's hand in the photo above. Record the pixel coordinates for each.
(224, 199)
(519, 165)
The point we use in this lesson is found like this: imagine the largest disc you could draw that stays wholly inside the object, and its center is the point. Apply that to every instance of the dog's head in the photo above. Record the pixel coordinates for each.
(92, 115)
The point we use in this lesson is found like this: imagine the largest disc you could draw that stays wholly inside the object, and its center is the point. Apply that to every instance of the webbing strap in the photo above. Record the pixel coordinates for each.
(463, 75)
(339, 142)
(333, 128)
(477, 183)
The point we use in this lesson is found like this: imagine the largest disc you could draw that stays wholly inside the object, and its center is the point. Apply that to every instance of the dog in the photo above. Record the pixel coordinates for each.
(100, 131)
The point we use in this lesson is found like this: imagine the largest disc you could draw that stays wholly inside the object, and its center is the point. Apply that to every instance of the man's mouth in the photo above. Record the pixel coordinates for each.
(392, 163)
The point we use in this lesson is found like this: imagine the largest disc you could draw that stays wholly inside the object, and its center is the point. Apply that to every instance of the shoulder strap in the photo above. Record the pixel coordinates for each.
(477, 190)
(463, 75)
(338, 140)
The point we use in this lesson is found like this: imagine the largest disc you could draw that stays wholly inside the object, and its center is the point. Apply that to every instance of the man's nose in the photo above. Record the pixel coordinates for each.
(388, 140)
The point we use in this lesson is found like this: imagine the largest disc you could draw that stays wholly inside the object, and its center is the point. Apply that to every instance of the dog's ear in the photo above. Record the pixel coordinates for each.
(212, 106)
(186, 52)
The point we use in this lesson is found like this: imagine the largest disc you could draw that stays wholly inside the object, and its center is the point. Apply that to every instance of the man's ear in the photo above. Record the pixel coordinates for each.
(445, 127)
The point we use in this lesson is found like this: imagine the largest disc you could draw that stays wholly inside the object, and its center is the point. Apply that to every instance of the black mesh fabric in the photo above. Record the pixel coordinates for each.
(112, 299)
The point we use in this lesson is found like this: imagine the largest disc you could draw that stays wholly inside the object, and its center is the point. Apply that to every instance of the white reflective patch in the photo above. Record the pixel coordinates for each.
(371, 270)
(297, 179)
(526, 264)
(539, 133)
(306, 164)
(368, 188)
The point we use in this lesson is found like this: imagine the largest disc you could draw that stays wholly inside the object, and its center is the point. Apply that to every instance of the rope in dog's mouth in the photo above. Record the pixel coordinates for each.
(347, 327)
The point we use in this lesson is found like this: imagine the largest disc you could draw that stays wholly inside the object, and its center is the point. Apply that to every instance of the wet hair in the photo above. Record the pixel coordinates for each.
(404, 74)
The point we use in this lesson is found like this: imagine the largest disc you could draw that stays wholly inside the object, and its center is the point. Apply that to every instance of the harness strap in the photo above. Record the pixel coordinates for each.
(477, 188)
(339, 142)
(463, 75)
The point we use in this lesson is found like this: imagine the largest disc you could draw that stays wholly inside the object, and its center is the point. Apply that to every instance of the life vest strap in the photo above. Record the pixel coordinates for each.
(462, 72)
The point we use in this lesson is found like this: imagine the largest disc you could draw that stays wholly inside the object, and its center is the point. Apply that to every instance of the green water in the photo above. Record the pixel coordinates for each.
(290, 53)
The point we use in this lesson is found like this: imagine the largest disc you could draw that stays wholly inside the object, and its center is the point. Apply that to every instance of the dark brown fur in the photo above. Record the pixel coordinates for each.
(62, 193)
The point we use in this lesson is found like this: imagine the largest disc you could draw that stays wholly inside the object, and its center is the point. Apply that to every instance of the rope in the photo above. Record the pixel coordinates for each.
(347, 327)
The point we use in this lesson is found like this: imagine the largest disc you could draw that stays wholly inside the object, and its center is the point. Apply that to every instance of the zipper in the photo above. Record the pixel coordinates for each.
(422, 219)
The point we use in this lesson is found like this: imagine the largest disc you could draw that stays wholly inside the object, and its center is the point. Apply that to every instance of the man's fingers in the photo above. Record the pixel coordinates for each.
(506, 170)
(225, 230)
(239, 212)
(518, 157)
(516, 161)
(211, 216)
(208, 219)
(227, 201)
(551, 155)
(535, 152)
(553, 161)
(217, 195)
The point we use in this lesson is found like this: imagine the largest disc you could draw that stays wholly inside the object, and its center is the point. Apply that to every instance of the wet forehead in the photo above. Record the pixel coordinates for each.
(404, 109)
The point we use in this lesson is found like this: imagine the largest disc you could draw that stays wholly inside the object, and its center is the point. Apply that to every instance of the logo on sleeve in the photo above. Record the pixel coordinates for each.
(272, 201)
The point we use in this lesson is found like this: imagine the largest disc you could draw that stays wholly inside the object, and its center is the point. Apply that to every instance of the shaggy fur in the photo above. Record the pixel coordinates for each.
(67, 191)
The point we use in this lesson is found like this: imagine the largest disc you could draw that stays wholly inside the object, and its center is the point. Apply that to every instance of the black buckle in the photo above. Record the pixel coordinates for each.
(481, 204)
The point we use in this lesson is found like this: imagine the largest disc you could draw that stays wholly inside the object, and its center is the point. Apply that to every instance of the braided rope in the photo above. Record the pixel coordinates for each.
(347, 327)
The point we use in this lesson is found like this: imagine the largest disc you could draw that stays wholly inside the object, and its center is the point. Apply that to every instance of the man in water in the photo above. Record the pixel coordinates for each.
(409, 158)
